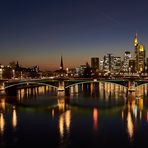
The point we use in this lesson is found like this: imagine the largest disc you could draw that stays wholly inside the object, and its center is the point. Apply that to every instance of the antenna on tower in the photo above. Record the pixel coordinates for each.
(61, 64)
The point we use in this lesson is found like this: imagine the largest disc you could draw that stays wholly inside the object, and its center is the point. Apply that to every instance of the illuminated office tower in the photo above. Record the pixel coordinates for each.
(132, 66)
(108, 62)
(116, 64)
(139, 55)
(147, 64)
(127, 57)
(101, 65)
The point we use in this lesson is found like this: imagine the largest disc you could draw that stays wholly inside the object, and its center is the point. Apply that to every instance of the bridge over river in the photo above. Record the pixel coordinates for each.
(65, 84)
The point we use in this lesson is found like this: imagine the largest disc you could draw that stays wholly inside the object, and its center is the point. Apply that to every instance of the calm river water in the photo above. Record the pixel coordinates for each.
(93, 115)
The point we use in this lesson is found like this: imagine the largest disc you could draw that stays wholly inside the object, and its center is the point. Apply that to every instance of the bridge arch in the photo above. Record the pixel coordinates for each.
(23, 83)
(85, 82)
(142, 84)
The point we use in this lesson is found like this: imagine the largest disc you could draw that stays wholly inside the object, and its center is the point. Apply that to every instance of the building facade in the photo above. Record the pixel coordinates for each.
(108, 63)
(139, 55)
(132, 66)
(95, 63)
(116, 64)
(127, 57)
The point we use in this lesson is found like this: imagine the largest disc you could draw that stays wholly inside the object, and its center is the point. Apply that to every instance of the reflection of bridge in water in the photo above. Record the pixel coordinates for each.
(66, 84)
(79, 94)
(70, 85)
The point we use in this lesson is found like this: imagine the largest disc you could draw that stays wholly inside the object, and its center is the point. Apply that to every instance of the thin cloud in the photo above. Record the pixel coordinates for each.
(110, 18)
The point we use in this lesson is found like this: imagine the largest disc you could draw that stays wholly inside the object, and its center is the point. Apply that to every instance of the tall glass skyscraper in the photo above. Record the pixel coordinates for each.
(139, 55)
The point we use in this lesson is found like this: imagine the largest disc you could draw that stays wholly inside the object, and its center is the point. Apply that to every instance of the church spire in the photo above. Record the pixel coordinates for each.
(61, 65)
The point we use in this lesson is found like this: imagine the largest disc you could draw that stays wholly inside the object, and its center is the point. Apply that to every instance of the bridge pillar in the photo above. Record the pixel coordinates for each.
(61, 89)
(61, 86)
(2, 86)
(131, 86)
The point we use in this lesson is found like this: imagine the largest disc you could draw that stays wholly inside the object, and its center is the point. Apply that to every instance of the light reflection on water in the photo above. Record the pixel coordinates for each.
(130, 126)
(64, 124)
(90, 108)
(101, 94)
(95, 119)
(14, 118)
(2, 123)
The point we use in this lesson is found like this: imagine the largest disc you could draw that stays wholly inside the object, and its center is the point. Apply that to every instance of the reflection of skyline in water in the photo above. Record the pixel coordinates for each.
(14, 118)
(39, 96)
(34, 92)
(65, 118)
(4, 108)
(133, 112)
(101, 94)
(64, 124)
(2, 123)
(101, 89)
(95, 119)
(130, 126)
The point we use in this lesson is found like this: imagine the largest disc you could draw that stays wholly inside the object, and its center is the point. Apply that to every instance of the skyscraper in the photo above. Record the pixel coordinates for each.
(139, 55)
(108, 62)
(127, 57)
(101, 65)
(116, 64)
(136, 41)
(132, 66)
(95, 63)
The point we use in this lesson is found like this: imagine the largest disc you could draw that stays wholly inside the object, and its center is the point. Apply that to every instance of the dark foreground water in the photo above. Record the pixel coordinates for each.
(92, 116)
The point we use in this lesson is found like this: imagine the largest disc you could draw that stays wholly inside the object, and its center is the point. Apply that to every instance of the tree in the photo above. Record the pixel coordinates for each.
(7, 73)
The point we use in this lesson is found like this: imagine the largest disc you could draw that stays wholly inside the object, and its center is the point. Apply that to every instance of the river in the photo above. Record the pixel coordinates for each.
(93, 115)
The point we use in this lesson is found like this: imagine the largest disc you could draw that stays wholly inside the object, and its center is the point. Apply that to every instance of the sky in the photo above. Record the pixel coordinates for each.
(37, 32)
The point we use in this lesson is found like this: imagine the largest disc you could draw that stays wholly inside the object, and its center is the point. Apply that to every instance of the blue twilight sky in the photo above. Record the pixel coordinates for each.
(36, 32)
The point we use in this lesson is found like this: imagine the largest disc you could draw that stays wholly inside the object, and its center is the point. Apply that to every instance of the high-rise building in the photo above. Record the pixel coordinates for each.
(108, 62)
(116, 64)
(146, 65)
(80, 70)
(132, 66)
(136, 41)
(101, 65)
(139, 55)
(95, 63)
(83, 71)
(140, 58)
(127, 57)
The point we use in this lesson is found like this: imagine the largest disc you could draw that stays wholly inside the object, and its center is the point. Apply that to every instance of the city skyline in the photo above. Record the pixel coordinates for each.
(37, 32)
